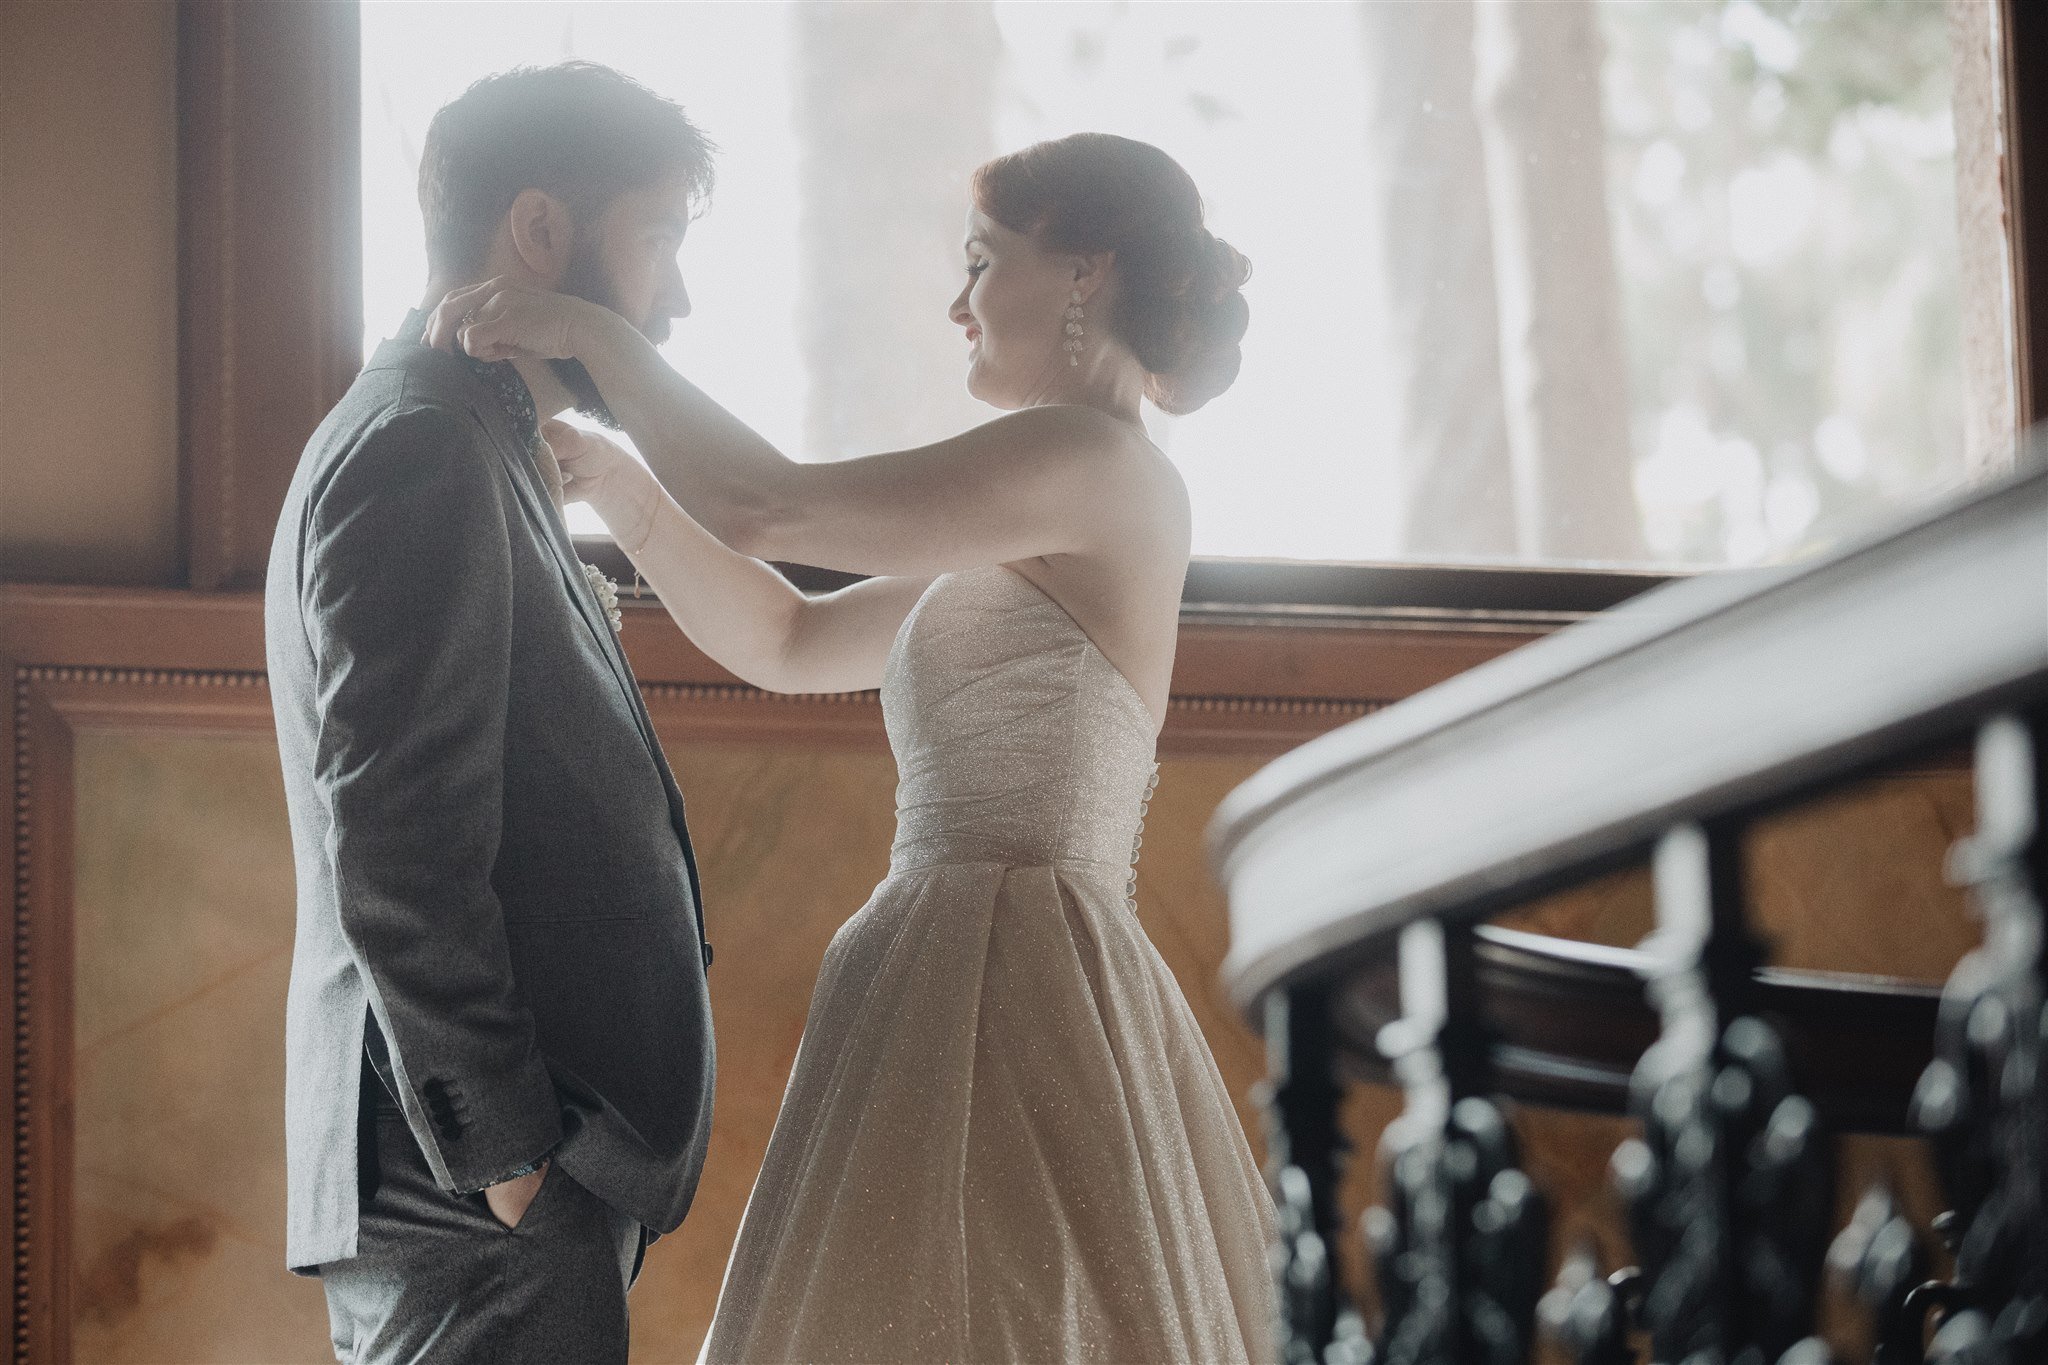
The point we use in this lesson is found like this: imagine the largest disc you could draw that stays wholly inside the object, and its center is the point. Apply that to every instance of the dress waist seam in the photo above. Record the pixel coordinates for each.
(1050, 863)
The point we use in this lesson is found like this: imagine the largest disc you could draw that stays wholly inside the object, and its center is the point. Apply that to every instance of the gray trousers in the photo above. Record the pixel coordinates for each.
(438, 1280)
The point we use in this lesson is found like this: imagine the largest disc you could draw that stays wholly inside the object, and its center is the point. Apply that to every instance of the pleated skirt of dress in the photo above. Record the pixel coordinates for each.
(1004, 1139)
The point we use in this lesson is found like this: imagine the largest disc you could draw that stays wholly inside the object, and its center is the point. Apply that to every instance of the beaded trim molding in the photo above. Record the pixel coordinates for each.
(27, 1176)
(23, 777)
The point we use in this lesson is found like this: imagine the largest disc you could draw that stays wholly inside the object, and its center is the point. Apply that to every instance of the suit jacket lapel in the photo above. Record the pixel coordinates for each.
(547, 522)
(540, 507)
(539, 503)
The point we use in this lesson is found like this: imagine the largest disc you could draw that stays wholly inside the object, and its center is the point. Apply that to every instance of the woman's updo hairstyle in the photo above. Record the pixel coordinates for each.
(1177, 303)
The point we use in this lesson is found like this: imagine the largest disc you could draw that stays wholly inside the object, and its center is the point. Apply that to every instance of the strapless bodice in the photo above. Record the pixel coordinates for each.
(1016, 740)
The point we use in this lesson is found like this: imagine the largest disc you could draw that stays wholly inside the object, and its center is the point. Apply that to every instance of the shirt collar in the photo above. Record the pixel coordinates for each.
(500, 377)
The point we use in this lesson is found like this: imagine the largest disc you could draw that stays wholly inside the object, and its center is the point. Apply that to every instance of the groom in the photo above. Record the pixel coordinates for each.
(498, 1036)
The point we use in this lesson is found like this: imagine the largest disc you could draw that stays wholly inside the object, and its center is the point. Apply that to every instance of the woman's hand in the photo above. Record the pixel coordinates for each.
(504, 319)
(598, 471)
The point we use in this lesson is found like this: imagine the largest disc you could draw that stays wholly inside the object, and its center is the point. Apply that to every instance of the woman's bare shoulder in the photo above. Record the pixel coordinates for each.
(1090, 437)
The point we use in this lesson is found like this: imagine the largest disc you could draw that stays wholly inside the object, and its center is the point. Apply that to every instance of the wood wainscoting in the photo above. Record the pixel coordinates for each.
(101, 671)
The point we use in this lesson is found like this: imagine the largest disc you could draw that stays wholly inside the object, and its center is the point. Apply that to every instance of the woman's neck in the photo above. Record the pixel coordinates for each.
(1112, 383)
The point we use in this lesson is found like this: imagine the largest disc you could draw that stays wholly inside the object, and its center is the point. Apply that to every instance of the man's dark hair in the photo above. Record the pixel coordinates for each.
(577, 130)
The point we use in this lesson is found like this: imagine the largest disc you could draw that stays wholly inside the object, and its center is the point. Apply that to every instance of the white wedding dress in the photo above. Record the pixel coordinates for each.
(1004, 1138)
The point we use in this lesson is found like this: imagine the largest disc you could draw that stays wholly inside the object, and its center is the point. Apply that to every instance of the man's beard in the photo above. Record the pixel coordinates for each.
(586, 278)
(583, 392)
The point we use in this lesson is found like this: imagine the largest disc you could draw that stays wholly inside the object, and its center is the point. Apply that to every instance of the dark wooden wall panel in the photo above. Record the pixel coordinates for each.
(270, 269)
(84, 661)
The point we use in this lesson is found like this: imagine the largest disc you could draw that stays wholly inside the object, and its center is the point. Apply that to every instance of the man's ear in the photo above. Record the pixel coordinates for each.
(542, 234)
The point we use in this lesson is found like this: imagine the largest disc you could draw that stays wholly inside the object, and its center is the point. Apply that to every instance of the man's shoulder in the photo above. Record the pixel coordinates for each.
(384, 408)
(404, 392)
(406, 373)
(399, 422)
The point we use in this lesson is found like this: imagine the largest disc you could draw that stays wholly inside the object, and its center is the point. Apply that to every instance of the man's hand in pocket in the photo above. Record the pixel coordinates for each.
(509, 1199)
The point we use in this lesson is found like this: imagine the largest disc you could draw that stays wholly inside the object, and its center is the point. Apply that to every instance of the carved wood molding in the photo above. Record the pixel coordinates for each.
(87, 660)
(21, 1239)
(1255, 690)
(50, 706)
(1195, 726)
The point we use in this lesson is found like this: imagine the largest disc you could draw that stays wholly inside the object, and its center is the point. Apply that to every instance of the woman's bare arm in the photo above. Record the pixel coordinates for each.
(1043, 481)
(742, 613)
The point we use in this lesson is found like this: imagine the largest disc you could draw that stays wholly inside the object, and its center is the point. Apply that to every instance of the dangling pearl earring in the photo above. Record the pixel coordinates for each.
(1072, 345)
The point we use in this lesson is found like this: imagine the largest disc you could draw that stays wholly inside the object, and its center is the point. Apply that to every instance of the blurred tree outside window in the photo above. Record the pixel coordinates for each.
(1668, 282)
(1784, 187)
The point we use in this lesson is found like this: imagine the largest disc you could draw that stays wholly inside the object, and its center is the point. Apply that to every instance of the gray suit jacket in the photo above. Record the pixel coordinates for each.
(494, 878)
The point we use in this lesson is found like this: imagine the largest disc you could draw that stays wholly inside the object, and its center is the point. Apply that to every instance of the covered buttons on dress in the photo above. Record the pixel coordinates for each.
(1138, 840)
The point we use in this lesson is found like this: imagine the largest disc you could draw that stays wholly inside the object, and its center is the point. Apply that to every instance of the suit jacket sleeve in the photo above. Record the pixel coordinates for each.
(407, 600)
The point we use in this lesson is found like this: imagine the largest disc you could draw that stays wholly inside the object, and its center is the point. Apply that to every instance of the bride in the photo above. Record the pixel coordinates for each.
(1003, 1138)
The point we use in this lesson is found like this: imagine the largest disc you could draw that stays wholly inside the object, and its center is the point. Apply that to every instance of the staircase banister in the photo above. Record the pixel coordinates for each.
(1722, 693)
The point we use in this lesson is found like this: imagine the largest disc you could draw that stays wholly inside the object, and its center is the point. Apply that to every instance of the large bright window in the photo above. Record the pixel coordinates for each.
(1578, 282)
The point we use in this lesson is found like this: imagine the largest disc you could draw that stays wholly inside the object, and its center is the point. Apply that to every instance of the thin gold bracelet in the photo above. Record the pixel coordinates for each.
(653, 516)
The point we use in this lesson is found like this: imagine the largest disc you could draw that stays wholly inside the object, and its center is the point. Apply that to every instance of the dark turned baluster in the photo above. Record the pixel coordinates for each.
(1459, 1247)
(1589, 1317)
(1304, 1150)
(1983, 1101)
(1728, 1188)
(1879, 1259)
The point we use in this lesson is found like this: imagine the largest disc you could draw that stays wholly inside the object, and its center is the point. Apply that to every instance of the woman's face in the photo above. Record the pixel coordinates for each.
(1012, 311)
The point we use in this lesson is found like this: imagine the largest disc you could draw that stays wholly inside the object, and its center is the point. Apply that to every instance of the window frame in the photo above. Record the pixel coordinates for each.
(247, 176)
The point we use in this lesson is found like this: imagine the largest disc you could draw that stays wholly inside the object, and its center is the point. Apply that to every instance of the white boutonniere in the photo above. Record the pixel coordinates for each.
(607, 596)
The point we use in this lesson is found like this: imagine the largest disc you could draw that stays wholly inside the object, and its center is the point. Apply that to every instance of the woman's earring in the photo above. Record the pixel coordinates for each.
(1072, 345)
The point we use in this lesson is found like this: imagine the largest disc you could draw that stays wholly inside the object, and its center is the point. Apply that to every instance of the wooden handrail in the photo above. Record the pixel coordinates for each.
(1701, 698)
